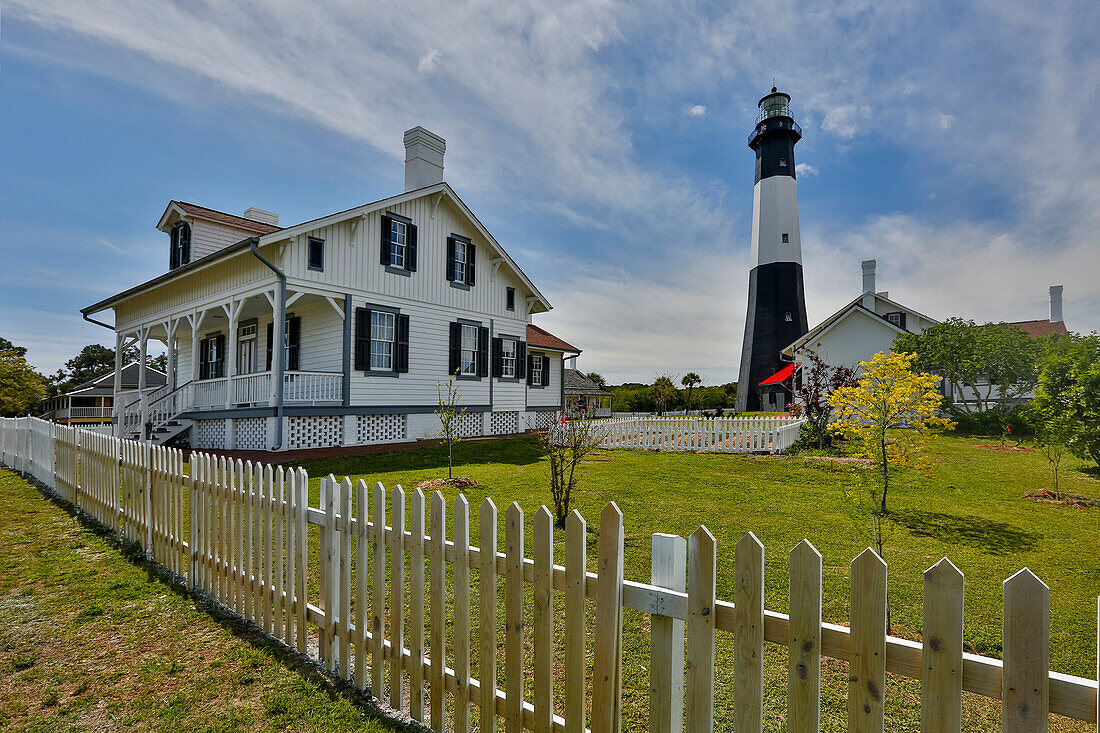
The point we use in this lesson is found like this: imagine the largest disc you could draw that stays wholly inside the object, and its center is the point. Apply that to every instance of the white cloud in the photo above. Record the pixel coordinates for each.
(695, 110)
(804, 170)
(945, 121)
(428, 61)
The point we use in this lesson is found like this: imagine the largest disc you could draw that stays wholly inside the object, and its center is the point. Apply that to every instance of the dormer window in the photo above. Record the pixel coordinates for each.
(898, 319)
(180, 252)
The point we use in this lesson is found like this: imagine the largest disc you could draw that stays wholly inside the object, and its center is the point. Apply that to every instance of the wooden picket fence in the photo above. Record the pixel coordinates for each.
(756, 434)
(330, 581)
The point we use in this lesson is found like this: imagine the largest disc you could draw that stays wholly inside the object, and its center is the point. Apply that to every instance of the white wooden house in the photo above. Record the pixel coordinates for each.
(91, 404)
(337, 331)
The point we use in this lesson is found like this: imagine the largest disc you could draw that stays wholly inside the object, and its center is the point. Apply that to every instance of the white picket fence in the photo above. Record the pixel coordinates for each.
(241, 532)
(754, 434)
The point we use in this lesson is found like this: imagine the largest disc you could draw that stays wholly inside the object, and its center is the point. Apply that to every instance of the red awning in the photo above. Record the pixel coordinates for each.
(781, 376)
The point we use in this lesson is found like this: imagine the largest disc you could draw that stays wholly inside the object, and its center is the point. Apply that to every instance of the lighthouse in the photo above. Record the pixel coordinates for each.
(777, 300)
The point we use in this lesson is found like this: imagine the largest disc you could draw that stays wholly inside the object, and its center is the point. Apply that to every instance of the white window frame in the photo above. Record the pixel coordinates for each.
(536, 370)
(461, 250)
(508, 361)
(247, 338)
(383, 340)
(468, 350)
(894, 318)
(399, 239)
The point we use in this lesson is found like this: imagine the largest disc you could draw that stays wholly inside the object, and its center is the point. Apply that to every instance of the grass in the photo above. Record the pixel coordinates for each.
(971, 510)
(93, 641)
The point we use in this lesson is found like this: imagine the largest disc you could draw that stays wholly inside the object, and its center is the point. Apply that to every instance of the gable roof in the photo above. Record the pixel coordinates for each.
(220, 217)
(854, 306)
(1040, 328)
(130, 374)
(577, 383)
(543, 339)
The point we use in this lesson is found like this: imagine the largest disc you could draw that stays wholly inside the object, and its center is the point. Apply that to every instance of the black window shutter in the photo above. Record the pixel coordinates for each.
(219, 357)
(901, 320)
(204, 365)
(362, 339)
(270, 343)
(545, 371)
(530, 367)
(185, 234)
(471, 258)
(387, 227)
(498, 357)
(521, 360)
(450, 258)
(294, 332)
(401, 356)
(410, 249)
(483, 351)
(456, 348)
(174, 251)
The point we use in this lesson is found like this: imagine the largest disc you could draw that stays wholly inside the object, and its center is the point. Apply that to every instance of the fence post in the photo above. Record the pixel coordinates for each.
(804, 643)
(668, 569)
(607, 664)
(1025, 685)
(942, 655)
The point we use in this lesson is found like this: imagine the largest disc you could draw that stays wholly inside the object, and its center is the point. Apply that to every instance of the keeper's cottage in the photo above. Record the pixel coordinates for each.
(337, 331)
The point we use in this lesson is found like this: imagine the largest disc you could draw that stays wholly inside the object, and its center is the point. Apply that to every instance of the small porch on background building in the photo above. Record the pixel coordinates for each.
(223, 355)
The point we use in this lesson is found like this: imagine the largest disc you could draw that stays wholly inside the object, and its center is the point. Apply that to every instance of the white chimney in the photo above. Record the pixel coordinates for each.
(1055, 303)
(423, 158)
(869, 285)
(266, 217)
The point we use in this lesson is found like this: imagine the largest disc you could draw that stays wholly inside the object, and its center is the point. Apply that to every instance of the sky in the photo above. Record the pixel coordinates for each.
(602, 143)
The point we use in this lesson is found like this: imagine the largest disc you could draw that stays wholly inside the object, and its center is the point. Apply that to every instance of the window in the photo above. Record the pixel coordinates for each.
(461, 257)
(381, 341)
(508, 358)
(898, 319)
(212, 357)
(316, 256)
(180, 253)
(511, 299)
(469, 349)
(399, 231)
(246, 348)
(292, 333)
(787, 317)
(782, 162)
(382, 333)
(536, 369)
(786, 238)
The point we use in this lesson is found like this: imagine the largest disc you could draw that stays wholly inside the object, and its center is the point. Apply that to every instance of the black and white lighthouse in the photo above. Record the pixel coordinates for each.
(777, 299)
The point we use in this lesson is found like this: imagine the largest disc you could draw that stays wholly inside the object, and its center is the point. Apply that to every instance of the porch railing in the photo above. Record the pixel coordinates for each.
(86, 412)
(312, 387)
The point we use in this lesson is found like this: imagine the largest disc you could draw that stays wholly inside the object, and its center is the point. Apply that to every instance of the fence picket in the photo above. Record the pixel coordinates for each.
(748, 636)
(942, 649)
(543, 603)
(416, 606)
(291, 555)
(326, 557)
(378, 590)
(302, 561)
(576, 563)
(487, 617)
(867, 655)
(279, 545)
(437, 549)
(666, 660)
(513, 614)
(701, 597)
(461, 539)
(804, 645)
(397, 597)
(344, 579)
(362, 577)
(608, 645)
(1025, 695)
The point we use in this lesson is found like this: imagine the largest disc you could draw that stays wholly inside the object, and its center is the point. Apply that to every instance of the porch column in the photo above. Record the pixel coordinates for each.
(142, 382)
(278, 348)
(195, 319)
(119, 338)
(173, 354)
(232, 314)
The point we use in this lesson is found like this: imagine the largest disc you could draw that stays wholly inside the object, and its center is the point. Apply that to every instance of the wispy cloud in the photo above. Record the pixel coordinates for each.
(805, 170)
(428, 61)
(695, 110)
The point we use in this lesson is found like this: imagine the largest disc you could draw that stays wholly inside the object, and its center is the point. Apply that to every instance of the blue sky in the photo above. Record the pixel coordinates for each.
(602, 143)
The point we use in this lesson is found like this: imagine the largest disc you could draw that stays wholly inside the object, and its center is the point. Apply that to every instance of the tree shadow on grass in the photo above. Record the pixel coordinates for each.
(996, 538)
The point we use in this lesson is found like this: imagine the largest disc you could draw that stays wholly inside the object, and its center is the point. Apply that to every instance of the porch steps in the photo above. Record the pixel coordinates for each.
(169, 430)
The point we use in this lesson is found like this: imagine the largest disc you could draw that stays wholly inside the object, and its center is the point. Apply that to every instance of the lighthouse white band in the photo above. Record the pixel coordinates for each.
(775, 213)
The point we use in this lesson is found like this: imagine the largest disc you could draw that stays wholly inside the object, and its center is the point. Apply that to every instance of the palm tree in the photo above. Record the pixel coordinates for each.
(690, 380)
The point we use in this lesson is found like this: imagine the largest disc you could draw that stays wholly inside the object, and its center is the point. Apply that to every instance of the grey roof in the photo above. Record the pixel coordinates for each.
(130, 374)
(577, 383)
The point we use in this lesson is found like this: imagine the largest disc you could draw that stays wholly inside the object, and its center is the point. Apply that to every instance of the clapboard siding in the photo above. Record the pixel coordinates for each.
(208, 237)
(550, 395)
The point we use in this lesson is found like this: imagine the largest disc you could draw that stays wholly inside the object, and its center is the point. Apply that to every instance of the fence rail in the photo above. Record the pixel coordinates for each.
(695, 433)
(241, 532)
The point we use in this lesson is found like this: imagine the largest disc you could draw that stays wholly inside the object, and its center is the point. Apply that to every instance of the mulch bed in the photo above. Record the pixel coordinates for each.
(458, 482)
(1074, 500)
(1008, 448)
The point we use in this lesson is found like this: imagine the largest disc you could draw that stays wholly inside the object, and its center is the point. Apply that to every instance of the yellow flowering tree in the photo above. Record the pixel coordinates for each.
(890, 414)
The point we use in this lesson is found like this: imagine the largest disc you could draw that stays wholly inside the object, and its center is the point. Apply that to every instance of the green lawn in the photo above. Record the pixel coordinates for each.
(92, 641)
(970, 510)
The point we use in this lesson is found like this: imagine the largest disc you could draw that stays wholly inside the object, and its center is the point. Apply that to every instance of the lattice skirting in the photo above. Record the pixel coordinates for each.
(380, 428)
(251, 433)
(470, 425)
(545, 419)
(503, 423)
(209, 434)
(322, 431)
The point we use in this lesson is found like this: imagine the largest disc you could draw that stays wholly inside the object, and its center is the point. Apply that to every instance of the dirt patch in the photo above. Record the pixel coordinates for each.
(458, 482)
(1071, 500)
(1007, 448)
(864, 462)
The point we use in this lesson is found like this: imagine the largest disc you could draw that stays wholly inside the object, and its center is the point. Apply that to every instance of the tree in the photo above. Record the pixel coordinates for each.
(690, 380)
(890, 414)
(6, 346)
(598, 379)
(21, 387)
(565, 444)
(817, 380)
(662, 392)
(96, 360)
(450, 417)
(1065, 409)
